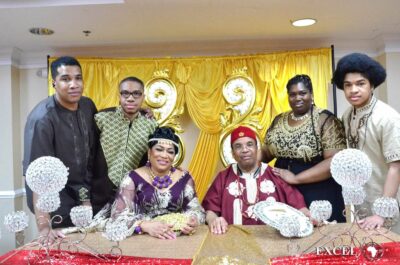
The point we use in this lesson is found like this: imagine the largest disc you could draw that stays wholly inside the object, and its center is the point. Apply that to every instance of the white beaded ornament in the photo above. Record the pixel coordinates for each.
(46, 175)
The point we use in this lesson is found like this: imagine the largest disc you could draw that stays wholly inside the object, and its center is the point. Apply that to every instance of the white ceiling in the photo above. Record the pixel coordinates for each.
(196, 27)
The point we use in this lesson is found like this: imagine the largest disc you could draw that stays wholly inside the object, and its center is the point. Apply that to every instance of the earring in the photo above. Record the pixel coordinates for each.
(148, 164)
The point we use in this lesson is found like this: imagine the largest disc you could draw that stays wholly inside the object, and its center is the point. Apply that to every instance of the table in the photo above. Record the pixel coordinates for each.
(241, 245)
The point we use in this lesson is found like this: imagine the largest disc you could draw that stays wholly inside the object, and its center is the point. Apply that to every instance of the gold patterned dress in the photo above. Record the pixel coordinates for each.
(298, 148)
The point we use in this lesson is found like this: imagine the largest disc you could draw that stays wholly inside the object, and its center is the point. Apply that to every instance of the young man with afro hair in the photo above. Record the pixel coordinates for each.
(372, 127)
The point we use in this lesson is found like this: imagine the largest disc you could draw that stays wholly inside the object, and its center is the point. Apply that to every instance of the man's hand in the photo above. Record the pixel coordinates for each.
(147, 112)
(48, 236)
(218, 226)
(372, 222)
(308, 214)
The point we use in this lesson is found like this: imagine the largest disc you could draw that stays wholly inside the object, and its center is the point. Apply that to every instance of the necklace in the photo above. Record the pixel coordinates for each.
(300, 118)
(163, 181)
(353, 140)
(258, 171)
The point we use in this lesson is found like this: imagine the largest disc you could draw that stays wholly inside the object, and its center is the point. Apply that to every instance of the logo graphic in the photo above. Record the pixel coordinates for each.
(372, 251)
(336, 251)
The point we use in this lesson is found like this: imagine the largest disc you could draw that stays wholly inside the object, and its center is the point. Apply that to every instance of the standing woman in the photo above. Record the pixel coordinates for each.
(304, 141)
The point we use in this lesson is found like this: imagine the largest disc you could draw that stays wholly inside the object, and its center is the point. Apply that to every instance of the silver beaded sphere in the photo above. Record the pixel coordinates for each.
(46, 175)
(81, 216)
(48, 202)
(351, 168)
(321, 210)
(116, 231)
(386, 207)
(16, 221)
(352, 195)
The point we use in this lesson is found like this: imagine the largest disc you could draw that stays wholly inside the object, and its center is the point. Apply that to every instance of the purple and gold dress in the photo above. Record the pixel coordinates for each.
(140, 200)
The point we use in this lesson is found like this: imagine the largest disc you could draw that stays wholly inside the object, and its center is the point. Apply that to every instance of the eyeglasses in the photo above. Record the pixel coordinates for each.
(134, 94)
(241, 147)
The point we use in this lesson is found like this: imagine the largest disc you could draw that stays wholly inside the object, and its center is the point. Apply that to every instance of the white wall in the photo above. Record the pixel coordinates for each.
(33, 89)
(10, 168)
(393, 79)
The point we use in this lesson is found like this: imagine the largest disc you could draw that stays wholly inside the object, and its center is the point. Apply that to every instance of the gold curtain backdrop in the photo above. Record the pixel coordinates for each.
(199, 82)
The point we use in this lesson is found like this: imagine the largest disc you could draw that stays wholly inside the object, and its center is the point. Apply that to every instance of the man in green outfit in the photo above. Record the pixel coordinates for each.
(124, 132)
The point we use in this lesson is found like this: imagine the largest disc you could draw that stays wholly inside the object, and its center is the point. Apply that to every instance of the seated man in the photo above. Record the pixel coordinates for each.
(235, 190)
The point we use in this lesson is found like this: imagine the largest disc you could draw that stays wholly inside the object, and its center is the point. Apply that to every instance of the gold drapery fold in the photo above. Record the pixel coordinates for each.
(207, 158)
(199, 83)
(203, 96)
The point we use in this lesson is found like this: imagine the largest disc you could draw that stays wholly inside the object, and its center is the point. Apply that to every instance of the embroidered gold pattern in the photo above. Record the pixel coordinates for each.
(361, 115)
(299, 142)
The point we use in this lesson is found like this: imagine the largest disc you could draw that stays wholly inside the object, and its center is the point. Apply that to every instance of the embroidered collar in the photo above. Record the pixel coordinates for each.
(365, 108)
(358, 121)
(259, 171)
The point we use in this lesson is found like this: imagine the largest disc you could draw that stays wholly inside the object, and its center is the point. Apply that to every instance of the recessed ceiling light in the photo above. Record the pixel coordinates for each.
(41, 31)
(86, 32)
(304, 22)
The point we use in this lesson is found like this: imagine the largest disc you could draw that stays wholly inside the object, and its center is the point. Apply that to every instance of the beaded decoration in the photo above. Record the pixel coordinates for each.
(161, 182)
(293, 117)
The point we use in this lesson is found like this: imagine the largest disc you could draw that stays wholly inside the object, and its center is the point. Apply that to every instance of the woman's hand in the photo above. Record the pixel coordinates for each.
(158, 229)
(372, 222)
(286, 175)
(189, 228)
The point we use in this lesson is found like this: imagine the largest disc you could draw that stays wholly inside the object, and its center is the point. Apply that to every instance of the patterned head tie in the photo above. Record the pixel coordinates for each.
(164, 135)
(163, 141)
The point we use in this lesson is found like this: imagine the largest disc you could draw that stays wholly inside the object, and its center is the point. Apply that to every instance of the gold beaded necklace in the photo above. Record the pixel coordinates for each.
(300, 118)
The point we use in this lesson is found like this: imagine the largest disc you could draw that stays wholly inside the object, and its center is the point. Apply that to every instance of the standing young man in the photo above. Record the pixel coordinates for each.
(371, 126)
(124, 133)
(62, 126)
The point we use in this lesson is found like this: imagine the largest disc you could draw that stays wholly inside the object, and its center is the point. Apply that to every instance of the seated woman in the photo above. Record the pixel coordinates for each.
(303, 141)
(158, 189)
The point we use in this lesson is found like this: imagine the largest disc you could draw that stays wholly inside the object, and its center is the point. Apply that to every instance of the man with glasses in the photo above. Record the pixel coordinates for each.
(235, 190)
(124, 132)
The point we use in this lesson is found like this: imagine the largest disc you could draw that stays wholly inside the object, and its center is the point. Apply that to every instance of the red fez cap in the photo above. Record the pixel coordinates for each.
(242, 131)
